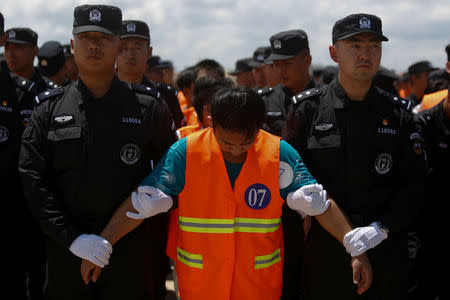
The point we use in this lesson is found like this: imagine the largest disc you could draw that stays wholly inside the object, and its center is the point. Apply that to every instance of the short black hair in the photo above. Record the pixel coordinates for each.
(204, 90)
(210, 64)
(239, 109)
(185, 78)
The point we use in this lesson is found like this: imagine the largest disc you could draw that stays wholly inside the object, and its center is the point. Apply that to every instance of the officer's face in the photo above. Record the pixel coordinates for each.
(258, 75)
(272, 76)
(293, 71)
(245, 79)
(134, 53)
(95, 51)
(234, 144)
(20, 57)
(358, 56)
(420, 81)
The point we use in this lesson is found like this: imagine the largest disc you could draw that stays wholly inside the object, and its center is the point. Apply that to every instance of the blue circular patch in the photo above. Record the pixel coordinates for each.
(257, 196)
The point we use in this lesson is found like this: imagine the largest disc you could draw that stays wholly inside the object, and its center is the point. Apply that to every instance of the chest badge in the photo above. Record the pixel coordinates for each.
(323, 127)
(257, 196)
(4, 133)
(63, 119)
(383, 163)
(130, 154)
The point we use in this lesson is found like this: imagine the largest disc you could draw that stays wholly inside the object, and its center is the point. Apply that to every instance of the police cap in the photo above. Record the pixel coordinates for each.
(154, 61)
(98, 18)
(51, 58)
(420, 67)
(133, 28)
(2, 23)
(242, 65)
(261, 53)
(287, 44)
(21, 35)
(356, 24)
(66, 48)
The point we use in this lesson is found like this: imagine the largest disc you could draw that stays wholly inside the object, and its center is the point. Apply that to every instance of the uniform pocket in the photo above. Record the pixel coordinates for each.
(266, 261)
(65, 147)
(190, 259)
(66, 133)
(324, 141)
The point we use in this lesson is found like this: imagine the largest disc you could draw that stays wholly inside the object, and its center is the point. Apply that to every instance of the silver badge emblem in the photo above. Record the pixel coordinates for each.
(131, 27)
(95, 16)
(364, 23)
(277, 44)
(383, 163)
(63, 119)
(323, 127)
(12, 34)
(4, 133)
(130, 154)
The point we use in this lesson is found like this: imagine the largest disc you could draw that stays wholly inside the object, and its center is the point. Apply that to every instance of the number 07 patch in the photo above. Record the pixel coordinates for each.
(257, 196)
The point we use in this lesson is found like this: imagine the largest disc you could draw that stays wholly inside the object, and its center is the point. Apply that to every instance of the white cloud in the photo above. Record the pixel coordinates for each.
(185, 31)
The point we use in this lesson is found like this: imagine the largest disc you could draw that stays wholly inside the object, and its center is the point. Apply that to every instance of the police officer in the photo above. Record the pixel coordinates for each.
(70, 66)
(258, 66)
(434, 127)
(131, 64)
(51, 64)
(243, 72)
(358, 141)
(86, 147)
(418, 79)
(290, 54)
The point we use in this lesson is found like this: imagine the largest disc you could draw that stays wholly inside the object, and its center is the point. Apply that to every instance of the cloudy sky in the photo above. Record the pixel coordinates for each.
(186, 31)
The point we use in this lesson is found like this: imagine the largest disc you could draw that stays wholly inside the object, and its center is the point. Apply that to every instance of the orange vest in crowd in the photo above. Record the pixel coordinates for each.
(181, 99)
(402, 93)
(230, 240)
(190, 115)
(430, 100)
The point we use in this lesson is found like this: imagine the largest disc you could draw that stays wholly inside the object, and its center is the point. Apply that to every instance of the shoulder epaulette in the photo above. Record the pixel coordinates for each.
(163, 87)
(265, 91)
(50, 84)
(146, 90)
(304, 95)
(44, 96)
(23, 83)
(404, 103)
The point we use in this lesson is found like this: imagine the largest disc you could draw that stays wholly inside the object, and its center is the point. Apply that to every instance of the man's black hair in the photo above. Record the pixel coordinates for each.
(185, 78)
(210, 64)
(238, 109)
(204, 90)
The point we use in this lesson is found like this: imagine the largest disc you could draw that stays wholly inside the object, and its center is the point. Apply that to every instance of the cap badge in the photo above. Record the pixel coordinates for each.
(277, 44)
(95, 16)
(364, 23)
(44, 63)
(131, 27)
(12, 34)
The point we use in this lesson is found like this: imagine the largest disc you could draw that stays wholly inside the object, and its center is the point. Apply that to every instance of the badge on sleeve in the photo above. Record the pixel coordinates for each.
(383, 163)
(130, 154)
(257, 196)
(4, 133)
(286, 175)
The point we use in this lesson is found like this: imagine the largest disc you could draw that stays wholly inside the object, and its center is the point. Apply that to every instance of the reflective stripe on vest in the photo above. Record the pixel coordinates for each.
(200, 225)
(192, 260)
(265, 261)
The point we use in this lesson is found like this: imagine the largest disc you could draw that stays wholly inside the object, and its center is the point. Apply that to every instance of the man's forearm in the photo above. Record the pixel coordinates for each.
(334, 221)
(119, 225)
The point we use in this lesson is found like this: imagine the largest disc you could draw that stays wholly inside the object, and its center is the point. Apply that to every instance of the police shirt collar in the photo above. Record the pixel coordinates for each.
(86, 94)
(341, 100)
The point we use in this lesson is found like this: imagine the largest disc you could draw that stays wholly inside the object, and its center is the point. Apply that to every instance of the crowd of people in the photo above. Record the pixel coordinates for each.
(274, 180)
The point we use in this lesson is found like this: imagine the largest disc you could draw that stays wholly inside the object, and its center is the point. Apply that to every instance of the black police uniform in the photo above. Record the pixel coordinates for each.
(362, 153)
(434, 127)
(81, 157)
(277, 101)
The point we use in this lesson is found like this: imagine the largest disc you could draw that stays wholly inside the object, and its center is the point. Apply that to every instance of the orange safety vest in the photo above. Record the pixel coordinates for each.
(190, 115)
(430, 100)
(181, 99)
(230, 240)
(402, 93)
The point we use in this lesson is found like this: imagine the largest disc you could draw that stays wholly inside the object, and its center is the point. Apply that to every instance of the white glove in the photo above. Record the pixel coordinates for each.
(310, 199)
(93, 248)
(149, 201)
(361, 239)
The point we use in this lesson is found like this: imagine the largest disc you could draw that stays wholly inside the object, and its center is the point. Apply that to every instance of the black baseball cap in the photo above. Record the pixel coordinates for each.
(261, 53)
(66, 49)
(51, 58)
(154, 61)
(2, 23)
(21, 35)
(287, 44)
(421, 66)
(98, 18)
(385, 72)
(242, 65)
(356, 24)
(134, 28)
(447, 49)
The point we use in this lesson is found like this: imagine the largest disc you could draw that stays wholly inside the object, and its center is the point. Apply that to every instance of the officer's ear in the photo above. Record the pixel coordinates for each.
(149, 52)
(72, 51)
(35, 50)
(333, 55)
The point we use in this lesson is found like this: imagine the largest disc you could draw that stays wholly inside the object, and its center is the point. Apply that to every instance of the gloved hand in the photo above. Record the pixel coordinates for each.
(93, 248)
(361, 239)
(149, 201)
(310, 199)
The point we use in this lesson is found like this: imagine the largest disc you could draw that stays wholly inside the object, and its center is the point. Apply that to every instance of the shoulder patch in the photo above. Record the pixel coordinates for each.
(163, 87)
(403, 103)
(50, 84)
(50, 94)
(304, 95)
(265, 91)
(146, 90)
